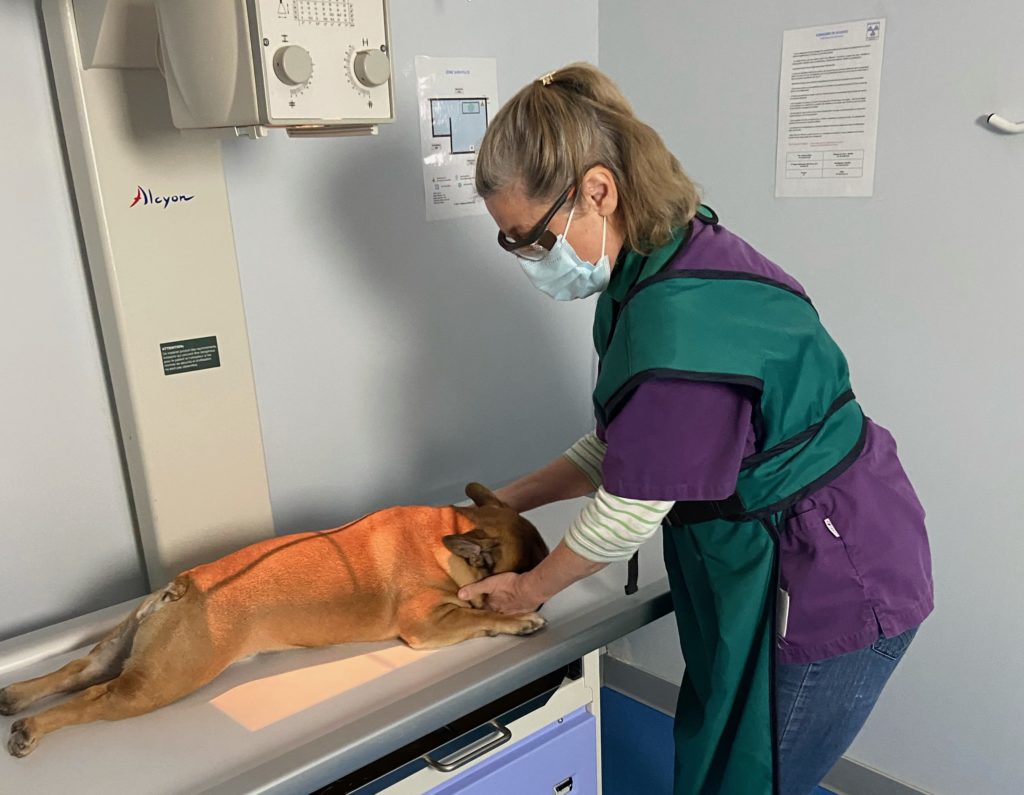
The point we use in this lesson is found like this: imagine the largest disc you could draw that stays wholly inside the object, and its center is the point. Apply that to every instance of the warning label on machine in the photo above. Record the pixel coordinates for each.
(184, 356)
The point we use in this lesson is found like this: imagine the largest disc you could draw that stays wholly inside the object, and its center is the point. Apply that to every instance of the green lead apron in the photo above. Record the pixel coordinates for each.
(698, 323)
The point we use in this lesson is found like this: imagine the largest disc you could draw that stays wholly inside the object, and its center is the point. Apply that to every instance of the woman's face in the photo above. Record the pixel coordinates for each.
(516, 215)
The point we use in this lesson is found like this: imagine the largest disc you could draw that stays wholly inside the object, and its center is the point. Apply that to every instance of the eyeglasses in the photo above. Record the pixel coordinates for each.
(539, 240)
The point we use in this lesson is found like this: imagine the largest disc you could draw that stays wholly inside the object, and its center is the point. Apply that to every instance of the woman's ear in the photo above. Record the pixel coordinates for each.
(599, 191)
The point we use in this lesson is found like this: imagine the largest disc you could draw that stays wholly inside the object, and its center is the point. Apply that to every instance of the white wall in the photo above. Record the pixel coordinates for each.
(66, 539)
(921, 284)
(396, 359)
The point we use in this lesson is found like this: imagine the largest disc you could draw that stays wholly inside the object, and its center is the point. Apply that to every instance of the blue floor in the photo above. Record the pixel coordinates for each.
(636, 748)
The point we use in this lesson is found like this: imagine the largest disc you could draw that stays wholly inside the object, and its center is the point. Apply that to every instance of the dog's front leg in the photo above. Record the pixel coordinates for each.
(451, 622)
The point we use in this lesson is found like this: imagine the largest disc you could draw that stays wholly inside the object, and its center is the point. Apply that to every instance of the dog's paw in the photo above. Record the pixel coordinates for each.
(8, 706)
(21, 742)
(530, 623)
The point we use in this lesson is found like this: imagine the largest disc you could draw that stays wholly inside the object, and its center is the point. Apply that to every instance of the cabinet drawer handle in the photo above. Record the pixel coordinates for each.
(474, 751)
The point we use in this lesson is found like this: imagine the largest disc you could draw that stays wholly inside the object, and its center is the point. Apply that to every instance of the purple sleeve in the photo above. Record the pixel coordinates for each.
(679, 440)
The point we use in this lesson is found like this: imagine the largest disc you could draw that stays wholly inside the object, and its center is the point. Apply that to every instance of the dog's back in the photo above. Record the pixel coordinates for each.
(334, 586)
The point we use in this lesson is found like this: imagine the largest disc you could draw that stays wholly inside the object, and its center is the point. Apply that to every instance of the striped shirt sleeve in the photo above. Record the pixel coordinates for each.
(588, 455)
(611, 528)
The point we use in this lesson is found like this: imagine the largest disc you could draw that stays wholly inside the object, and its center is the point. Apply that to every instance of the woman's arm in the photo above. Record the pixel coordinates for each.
(576, 473)
(608, 529)
(674, 440)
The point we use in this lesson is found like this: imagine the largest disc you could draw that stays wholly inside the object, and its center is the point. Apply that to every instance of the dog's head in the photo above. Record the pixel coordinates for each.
(501, 540)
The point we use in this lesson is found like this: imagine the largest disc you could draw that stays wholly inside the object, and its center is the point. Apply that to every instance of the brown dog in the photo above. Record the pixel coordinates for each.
(395, 573)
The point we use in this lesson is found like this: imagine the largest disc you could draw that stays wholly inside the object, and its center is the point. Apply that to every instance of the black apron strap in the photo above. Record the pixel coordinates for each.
(634, 574)
(704, 510)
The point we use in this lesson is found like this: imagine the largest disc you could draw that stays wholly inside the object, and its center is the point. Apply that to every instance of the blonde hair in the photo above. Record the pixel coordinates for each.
(558, 127)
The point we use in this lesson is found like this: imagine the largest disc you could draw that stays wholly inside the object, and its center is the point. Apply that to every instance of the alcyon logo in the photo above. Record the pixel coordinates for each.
(146, 197)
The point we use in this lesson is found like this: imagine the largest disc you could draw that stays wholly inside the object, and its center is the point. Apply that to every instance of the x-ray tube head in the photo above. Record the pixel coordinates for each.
(306, 65)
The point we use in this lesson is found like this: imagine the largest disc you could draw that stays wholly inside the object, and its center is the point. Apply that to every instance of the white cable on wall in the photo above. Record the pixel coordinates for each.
(1005, 125)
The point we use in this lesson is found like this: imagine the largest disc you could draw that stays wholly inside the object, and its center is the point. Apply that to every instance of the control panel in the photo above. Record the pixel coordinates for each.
(323, 60)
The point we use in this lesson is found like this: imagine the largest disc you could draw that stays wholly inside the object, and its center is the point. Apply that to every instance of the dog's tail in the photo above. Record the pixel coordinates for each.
(123, 637)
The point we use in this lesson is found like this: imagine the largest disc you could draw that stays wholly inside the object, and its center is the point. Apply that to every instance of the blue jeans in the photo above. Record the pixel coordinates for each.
(823, 705)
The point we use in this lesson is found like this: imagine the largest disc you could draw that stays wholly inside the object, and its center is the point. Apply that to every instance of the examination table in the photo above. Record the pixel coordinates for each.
(296, 721)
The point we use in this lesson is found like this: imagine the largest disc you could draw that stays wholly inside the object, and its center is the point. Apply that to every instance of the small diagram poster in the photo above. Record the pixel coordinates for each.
(828, 109)
(457, 98)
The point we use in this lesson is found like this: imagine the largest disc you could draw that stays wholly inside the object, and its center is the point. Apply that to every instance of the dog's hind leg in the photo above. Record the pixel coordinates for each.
(104, 662)
(128, 695)
(172, 655)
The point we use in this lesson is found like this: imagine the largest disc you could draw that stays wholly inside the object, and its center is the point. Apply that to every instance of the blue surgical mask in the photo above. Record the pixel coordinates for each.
(563, 275)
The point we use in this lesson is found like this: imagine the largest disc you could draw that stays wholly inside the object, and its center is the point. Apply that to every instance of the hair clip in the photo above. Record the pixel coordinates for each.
(545, 80)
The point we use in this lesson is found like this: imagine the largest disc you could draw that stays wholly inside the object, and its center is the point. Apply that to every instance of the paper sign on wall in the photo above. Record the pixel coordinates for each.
(828, 109)
(457, 97)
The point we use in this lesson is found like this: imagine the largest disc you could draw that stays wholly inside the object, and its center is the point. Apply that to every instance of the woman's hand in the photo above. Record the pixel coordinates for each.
(525, 593)
(504, 594)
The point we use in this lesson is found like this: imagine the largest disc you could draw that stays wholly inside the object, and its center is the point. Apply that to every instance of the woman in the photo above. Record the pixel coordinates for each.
(794, 543)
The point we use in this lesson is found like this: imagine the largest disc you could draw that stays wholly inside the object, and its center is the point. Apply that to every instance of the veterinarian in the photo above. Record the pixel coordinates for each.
(795, 545)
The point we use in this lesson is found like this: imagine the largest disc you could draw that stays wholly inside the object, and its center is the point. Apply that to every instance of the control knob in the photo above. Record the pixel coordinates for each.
(293, 65)
(372, 68)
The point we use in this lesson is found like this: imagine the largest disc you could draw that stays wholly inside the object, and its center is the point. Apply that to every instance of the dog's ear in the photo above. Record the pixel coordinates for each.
(483, 496)
(475, 546)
